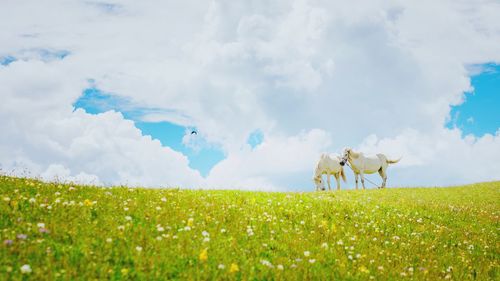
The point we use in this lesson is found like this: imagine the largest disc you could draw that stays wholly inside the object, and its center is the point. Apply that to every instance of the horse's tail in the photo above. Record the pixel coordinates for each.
(342, 174)
(393, 161)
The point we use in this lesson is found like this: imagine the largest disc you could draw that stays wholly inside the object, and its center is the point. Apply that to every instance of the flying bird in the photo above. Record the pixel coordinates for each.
(194, 132)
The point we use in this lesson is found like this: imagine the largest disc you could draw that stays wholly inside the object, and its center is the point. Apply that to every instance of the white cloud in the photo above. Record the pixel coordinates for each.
(290, 69)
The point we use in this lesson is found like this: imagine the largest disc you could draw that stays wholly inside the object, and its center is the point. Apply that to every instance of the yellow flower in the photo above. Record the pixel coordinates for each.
(204, 255)
(190, 221)
(363, 269)
(234, 268)
(87, 202)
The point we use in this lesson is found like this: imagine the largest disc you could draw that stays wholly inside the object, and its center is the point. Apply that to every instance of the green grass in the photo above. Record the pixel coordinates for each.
(92, 233)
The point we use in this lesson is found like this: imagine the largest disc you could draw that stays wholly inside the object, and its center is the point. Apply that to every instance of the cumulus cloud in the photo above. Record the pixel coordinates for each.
(310, 75)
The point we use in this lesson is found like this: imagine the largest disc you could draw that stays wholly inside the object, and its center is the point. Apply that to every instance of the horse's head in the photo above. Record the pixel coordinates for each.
(345, 156)
(318, 181)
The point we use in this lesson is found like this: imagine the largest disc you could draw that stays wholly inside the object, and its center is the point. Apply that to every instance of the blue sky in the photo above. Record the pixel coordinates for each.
(480, 112)
(95, 101)
(477, 115)
(268, 86)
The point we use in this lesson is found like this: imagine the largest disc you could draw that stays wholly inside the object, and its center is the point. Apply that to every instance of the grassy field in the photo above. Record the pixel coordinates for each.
(70, 232)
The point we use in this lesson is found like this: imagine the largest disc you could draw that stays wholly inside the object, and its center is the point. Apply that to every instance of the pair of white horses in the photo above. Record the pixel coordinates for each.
(359, 163)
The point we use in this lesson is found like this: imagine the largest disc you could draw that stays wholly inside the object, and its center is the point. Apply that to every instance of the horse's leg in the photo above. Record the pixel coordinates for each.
(328, 180)
(362, 179)
(337, 178)
(383, 174)
(356, 178)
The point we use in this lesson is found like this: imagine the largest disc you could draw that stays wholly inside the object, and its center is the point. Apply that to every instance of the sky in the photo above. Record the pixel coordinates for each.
(110, 92)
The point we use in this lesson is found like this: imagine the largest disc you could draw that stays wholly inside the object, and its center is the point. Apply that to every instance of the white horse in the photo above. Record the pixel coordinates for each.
(329, 166)
(362, 164)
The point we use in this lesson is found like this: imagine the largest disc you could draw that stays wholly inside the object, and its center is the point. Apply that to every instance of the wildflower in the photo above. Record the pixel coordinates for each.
(163, 199)
(190, 222)
(6, 199)
(221, 266)
(187, 228)
(205, 234)
(8, 242)
(138, 249)
(312, 261)
(223, 230)
(234, 268)
(204, 255)
(419, 220)
(87, 202)
(159, 238)
(109, 240)
(43, 230)
(124, 271)
(363, 269)
(280, 267)
(158, 208)
(128, 218)
(160, 228)
(340, 242)
(32, 200)
(40, 225)
(206, 240)
(121, 227)
(307, 253)
(324, 245)
(22, 236)
(26, 269)
(249, 231)
(266, 263)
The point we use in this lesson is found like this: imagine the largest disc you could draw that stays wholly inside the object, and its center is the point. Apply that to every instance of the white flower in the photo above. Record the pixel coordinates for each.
(109, 240)
(205, 234)
(129, 218)
(221, 266)
(307, 253)
(32, 200)
(206, 239)
(280, 267)
(187, 228)
(340, 242)
(163, 199)
(158, 208)
(324, 245)
(160, 229)
(419, 220)
(223, 230)
(25, 269)
(266, 263)
(312, 261)
(40, 225)
(138, 249)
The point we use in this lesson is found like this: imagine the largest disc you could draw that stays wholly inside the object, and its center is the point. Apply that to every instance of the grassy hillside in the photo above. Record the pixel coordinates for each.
(63, 232)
